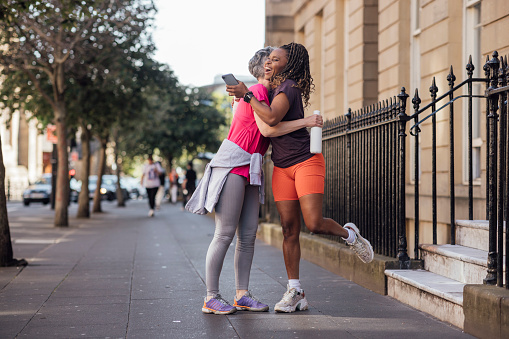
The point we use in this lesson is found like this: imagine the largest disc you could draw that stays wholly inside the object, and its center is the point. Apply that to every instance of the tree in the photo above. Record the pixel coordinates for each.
(47, 41)
(120, 90)
(6, 254)
(176, 119)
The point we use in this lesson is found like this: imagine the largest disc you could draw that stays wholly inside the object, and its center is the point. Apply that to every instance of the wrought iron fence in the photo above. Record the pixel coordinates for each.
(365, 166)
(497, 177)
(497, 92)
(365, 175)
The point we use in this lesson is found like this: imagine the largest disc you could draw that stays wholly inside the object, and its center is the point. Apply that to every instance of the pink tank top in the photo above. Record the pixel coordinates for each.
(244, 132)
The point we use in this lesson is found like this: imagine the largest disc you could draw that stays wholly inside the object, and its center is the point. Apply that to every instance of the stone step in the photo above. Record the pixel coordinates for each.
(464, 264)
(434, 294)
(473, 233)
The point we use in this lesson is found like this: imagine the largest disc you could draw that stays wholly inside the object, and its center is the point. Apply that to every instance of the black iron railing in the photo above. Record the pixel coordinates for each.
(365, 175)
(497, 71)
(449, 98)
(497, 179)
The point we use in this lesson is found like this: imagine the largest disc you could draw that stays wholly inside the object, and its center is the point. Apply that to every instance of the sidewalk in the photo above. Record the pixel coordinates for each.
(122, 274)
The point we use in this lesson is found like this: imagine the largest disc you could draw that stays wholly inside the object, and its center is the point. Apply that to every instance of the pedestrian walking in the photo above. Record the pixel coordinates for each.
(162, 187)
(173, 178)
(298, 176)
(232, 184)
(150, 180)
(189, 184)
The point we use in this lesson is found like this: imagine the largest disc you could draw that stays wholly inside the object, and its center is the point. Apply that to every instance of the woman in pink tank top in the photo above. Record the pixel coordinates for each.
(237, 208)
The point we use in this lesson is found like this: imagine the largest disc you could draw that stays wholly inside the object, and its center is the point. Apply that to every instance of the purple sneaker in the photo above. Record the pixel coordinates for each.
(249, 303)
(217, 305)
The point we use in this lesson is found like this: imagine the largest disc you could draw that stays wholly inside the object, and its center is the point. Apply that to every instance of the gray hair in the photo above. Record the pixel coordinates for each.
(258, 60)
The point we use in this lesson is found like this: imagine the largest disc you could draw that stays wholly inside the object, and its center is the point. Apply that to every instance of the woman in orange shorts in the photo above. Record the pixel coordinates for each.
(298, 178)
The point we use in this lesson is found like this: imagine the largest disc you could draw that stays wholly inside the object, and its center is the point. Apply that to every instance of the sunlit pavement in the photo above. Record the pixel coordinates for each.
(122, 274)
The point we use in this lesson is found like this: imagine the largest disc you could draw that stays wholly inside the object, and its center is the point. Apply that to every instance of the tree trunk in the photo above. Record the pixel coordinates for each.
(62, 192)
(83, 199)
(6, 255)
(120, 193)
(102, 165)
(118, 162)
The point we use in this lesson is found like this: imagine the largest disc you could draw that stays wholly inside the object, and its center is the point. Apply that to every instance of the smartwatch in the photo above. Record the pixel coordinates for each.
(248, 96)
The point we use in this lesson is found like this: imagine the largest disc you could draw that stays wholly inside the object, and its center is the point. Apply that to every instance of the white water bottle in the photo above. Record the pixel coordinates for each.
(315, 145)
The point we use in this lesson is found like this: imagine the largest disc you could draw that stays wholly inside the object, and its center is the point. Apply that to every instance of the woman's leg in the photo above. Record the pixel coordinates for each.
(228, 211)
(287, 204)
(151, 192)
(246, 236)
(289, 212)
(159, 197)
(244, 251)
(311, 206)
(309, 179)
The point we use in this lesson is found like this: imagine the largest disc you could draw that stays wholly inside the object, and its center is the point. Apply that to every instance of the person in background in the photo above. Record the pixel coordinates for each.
(150, 180)
(189, 184)
(174, 185)
(162, 189)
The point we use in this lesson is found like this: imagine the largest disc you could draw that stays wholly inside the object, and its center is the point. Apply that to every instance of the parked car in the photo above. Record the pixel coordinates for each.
(39, 191)
(133, 187)
(108, 187)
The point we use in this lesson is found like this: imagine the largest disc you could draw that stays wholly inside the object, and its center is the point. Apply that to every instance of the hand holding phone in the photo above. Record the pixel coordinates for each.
(230, 80)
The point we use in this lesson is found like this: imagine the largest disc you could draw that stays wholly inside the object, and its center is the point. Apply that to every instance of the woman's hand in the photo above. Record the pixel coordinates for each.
(238, 90)
(314, 120)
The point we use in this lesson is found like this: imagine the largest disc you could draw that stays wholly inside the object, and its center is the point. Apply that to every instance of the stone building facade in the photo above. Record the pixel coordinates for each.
(26, 151)
(364, 51)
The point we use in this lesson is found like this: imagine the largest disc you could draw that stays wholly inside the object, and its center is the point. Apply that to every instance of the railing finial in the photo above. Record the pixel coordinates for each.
(451, 78)
(433, 89)
(348, 116)
(416, 101)
(470, 67)
(402, 99)
(486, 67)
(494, 65)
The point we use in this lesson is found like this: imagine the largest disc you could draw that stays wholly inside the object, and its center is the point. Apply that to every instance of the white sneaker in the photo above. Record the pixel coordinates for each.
(360, 246)
(292, 301)
(151, 213)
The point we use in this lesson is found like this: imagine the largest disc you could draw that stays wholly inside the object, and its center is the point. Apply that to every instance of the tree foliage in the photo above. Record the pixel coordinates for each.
(175, 120)
(52, 42)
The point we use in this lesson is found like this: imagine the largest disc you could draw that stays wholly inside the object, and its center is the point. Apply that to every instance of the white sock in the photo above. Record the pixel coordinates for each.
(351, 236)
(295, 283)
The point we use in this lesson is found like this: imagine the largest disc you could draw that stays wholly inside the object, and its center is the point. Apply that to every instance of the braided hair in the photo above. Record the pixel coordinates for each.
(296, 69)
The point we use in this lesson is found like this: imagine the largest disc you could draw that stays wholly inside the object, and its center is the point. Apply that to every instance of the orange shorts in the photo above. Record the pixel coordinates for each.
(307, 177)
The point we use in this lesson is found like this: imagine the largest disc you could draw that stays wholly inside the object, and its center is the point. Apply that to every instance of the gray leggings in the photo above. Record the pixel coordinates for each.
(238, 205)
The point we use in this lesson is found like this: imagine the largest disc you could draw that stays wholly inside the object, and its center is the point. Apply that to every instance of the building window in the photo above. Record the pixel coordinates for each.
(472, 43)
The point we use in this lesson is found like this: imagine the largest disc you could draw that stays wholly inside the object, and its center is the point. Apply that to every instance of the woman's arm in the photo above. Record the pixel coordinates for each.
(285, 127)
(270, 115)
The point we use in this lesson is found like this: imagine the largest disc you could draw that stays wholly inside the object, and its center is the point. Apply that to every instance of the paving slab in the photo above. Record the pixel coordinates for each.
(121, 274)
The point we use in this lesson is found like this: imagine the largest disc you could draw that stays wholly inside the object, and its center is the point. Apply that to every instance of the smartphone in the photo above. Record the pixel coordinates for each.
(229, 79)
